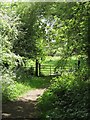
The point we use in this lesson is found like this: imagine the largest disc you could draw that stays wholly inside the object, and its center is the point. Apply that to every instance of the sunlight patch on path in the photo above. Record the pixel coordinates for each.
(32, 95)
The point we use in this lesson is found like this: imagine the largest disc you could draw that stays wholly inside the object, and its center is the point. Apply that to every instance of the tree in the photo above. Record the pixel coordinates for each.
(69, 30)
(9, 31)
(31, 42)
(9, 27)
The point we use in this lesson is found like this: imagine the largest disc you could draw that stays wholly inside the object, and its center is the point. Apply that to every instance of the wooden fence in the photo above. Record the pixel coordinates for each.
(49, 70)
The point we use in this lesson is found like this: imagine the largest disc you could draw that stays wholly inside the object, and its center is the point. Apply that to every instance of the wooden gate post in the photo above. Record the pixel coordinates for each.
(39, 69)
(37, 65)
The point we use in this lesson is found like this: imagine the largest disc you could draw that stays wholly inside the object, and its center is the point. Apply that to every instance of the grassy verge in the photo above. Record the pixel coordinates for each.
(16, 88)
(13, 91)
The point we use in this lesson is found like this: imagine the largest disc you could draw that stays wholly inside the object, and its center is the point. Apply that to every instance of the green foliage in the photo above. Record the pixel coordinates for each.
(70, 64)
(64, 99)
(32, 30)
(9, 27)
(7, 84)
(31, 43)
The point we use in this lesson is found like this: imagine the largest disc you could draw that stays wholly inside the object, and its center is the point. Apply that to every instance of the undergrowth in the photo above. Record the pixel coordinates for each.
(66, 99)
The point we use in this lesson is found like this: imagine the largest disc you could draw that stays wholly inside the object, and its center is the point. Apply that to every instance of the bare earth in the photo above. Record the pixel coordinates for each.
(24, 108)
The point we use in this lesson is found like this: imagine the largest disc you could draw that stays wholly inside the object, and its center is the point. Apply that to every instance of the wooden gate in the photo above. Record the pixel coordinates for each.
(47, 70)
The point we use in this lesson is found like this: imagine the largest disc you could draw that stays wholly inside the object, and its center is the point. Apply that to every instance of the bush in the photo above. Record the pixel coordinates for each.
(7, 84)
(66, 99)
(11, 88)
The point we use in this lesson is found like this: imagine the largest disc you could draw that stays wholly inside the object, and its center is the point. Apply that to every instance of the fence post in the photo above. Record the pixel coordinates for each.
(39, 69)
(36, 67)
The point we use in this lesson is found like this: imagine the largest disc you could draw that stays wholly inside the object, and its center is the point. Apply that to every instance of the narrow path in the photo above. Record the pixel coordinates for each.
(24, 108)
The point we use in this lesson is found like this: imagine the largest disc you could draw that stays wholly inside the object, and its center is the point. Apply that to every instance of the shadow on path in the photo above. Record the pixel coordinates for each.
(20, 109)
(24, 108)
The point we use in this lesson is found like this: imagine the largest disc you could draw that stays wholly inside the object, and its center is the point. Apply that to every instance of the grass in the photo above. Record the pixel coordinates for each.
(49, 64)
(22, 84)
(51, 60)
(35, 82)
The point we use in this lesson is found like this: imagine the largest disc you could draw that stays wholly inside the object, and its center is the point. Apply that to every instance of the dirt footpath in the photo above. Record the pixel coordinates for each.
(24, 108)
